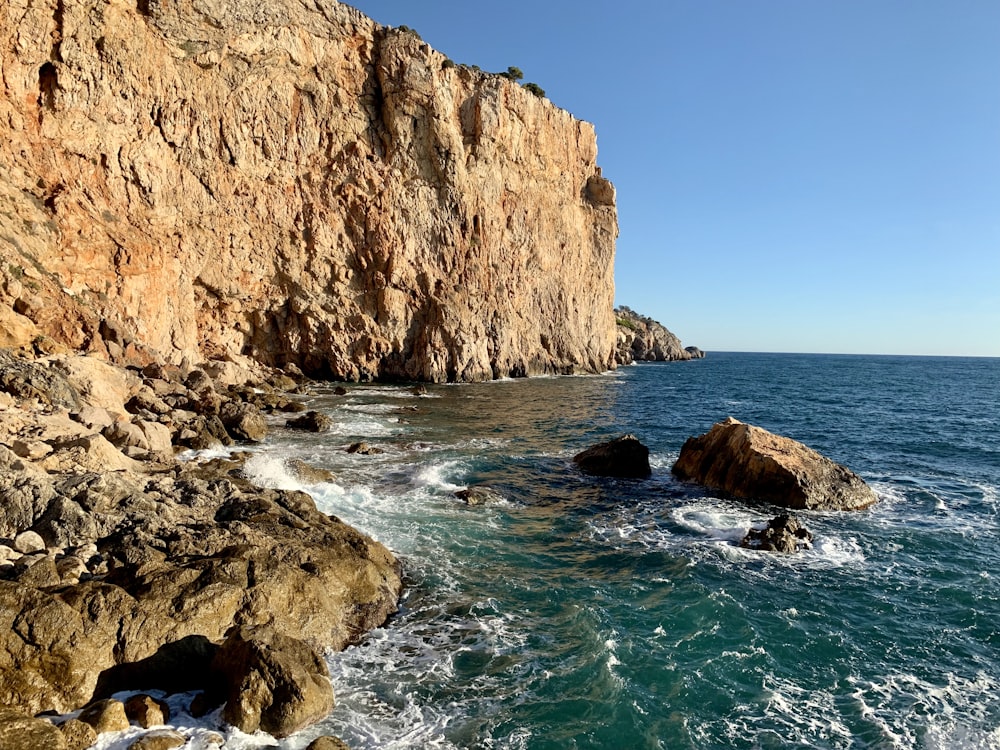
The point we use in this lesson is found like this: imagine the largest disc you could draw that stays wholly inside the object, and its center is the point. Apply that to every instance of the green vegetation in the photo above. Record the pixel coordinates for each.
(408, 30)
(448, 63)
(535, 89)
(15, 271)
(512, 74)
(626, 323)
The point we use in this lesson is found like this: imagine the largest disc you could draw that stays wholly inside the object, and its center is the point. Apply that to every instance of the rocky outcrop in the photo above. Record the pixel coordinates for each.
(624, 457)
(781, 534)
(642, 339)
(751, 463)
(121, 574)
(293, 183)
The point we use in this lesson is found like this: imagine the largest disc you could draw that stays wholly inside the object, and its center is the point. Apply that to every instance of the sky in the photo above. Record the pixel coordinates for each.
(792, 175)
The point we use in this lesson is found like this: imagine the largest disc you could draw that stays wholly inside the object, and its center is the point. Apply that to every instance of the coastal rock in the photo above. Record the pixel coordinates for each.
(309, 474)
(327, 743)
(243, 421)
(624, 457)
(695, 352)
(78, 735)
(363, 449)
(386, 216)
(642, 339)
(312, 421)
(751, 463)
(146, 711)
(273, 683)
(479, 495)
(782, 534)
(106, 715)
(21, 731)
(185, 556)
(161, 739)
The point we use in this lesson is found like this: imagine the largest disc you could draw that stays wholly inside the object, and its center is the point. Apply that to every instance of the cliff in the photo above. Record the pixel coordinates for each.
(293, 183)
(642, 339)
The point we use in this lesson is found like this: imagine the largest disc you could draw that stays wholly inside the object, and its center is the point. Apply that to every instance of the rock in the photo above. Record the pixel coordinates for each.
(313, 421)
(146, 711)
(479, 495)
(194, 241)
(161, 739)
(340, 391)
(21, 731)
(309, 474)
(642, 339)
(272, 683)
(157, 437)
(199, 381)
(419, 390)
(782, 534)
(695, 352)
(87, 453)
(34, 380)
(364, 449)
(622, 457)
(106, 715)
(327, 743)
(751, 463)
(185, 555)
(94, 417)
(78, 734)
(97, 383)
(243, 421)
(31, 449)
(29, 541)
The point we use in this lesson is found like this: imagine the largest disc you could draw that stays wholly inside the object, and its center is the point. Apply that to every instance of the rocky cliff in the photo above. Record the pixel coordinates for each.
(642, 339)
(291, 182)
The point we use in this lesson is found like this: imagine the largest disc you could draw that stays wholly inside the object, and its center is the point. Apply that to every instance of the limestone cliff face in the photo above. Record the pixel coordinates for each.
(292, 182)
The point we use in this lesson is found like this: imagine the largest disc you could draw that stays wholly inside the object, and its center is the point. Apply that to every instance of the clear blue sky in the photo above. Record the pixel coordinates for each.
(792, 175)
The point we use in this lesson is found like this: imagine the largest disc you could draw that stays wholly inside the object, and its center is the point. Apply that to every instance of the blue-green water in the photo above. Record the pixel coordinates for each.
(592, 613)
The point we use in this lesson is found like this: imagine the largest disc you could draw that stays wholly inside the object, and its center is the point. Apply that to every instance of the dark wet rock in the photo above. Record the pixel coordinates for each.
(271, 682)
(751, 463)
(340, 391)
(21, 731)
(313, 421)
(479, 495)
(624, 457)
(419, 390)
(364, 449)
(782, 534)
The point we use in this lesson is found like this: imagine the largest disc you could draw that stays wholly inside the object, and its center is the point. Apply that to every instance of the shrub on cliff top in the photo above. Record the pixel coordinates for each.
(512, 74)
(535, 89)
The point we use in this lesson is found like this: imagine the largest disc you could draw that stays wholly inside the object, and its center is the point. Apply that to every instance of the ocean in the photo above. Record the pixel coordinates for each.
(581, 612)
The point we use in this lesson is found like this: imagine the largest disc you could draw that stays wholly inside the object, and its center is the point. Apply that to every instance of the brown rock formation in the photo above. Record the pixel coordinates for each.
(295, 183)
(642, 339)
(623, 457)
(749, 462)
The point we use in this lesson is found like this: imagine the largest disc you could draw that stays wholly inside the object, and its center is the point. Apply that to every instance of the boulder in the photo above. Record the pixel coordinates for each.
(327, 743)
(782, 534)
(271, 682)
(146, 711)
(624, 457)
(243, 421)
(21, 731)
(78, 734)
(161, 739)
(106, 715)
(748, 462)
(313, 421)
(29, 541)
(479, 495)
(309, 474)
(364, 449)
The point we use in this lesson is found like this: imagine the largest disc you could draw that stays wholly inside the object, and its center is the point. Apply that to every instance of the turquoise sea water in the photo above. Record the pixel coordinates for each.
(593, 613)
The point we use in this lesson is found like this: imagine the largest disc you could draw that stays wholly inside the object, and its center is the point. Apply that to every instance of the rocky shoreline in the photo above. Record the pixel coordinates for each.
(123, 568)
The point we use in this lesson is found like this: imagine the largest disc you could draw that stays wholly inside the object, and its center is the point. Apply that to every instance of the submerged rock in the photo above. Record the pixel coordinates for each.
(782, 534)
(624, 457)
(751, 463)
(478, 495)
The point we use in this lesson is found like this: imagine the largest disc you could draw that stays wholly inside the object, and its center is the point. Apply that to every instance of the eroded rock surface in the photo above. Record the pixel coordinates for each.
(781, 534)
(624, 456)
(749, 462)
(642, 339)
(294, 183)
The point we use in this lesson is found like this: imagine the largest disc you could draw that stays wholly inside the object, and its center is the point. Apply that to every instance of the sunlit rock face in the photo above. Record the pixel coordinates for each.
(295, 183)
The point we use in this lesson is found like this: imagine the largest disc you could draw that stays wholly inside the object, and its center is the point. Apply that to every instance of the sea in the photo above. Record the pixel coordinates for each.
(580, 612)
